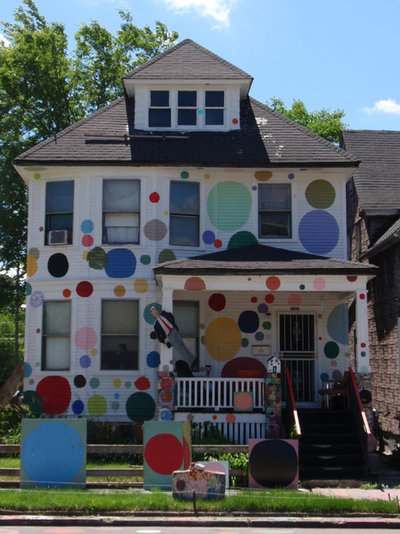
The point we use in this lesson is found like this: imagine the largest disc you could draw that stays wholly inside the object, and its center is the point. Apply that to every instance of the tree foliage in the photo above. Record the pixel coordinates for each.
(323, 122)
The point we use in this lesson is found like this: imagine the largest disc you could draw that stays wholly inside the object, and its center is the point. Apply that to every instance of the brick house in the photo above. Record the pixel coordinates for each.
(373, 223)
(189, 195)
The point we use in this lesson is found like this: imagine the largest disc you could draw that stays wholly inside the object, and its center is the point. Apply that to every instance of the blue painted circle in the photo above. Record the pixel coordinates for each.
(208, 237)
(85, 361)
(248, 321)
(259, 336)
(27, 370)
(116, 395)
(77, 407)
(153, 359)
(87, 226)
(52, 454)
(338, 324)
(318, 232)
(121, 263)
(363, 353)
(166, 415)
(262, 308)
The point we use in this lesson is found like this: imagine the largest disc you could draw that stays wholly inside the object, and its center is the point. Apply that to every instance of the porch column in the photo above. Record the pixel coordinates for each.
(362, 347)
(165, 375)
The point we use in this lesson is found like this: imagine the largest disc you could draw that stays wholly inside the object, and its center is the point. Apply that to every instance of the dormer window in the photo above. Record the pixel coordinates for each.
(160, 111)
(187, 108)
(214, 108)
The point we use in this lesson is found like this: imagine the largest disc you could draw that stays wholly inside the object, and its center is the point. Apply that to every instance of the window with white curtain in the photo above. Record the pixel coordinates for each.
(119, 334)
(184, 209)
(186, 314)
(56, 345)
(121, 211)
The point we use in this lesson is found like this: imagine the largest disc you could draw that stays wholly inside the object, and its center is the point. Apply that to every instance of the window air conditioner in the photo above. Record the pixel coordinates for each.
(58, 237)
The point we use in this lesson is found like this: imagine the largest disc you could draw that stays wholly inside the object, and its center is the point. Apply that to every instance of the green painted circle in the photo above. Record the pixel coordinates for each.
(166, 255)
(245, 342)
(242, 239)
(28, 289)
(37, 175)
(266, 325)
(184, 175)
(97, 405)
(97, 258)
(140, 407)
(331, 350)
(320, 194)
(229, 206)
(302, 287)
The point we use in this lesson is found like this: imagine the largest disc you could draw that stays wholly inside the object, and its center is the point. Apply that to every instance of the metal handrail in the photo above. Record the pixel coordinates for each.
(354, 389)
(292, 403)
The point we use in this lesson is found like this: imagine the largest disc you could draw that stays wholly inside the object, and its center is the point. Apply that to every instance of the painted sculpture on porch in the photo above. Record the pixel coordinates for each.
(167, 332)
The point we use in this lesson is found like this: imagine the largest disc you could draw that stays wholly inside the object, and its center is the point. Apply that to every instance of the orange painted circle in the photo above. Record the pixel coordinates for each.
(273, 283)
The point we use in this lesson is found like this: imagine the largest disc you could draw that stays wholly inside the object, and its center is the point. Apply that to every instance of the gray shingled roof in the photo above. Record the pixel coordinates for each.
(261, 259)
(266, 139)
(377, 180)
(391, 236)
(187, 60)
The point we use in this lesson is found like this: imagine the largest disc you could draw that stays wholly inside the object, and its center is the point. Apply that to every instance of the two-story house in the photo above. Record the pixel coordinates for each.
(188, 195)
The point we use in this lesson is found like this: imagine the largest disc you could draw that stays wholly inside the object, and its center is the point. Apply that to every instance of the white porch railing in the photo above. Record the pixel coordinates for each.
(216, 393)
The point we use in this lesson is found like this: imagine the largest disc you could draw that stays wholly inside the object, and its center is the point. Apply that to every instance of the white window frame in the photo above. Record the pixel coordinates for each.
(50, 214)
(48, 336)
(192, 215)
(127, 214)
(289, 211)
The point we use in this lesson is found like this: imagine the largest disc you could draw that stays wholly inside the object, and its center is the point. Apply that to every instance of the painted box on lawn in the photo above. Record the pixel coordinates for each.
(53, 453)
(166, 448)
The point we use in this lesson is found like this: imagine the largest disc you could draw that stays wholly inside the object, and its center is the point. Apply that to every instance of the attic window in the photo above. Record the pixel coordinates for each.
(187, 104)
(160, 111)
(215, 101)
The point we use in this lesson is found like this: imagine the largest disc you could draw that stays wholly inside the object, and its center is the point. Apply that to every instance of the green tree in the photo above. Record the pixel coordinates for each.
(323, 122)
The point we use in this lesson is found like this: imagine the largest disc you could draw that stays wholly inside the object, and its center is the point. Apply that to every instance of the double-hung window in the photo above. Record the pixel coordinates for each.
(187, 108)
(214, 107)
(121, 211)
(160, 110)
(184, 213)
(59, 212)
(186, 315)
(275, 211)
(119, 334)
(56, 345)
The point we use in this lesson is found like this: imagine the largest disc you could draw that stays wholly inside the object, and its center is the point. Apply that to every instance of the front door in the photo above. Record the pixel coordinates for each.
(297, 352)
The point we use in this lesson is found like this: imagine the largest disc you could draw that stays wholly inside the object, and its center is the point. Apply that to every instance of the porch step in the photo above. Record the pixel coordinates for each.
(329, 447)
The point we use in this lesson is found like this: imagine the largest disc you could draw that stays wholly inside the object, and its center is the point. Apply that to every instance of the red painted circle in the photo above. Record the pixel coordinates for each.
(84, 289)
(55, 393)
(217, 301)
(352, 278)
(154, 197)
(269, 298)
(164, 454)
(214, 417)
(217, 243)
(142, 383)
(166, 384)
(273, 283)
(363, 345)
(362, 296)
(38, 330)
(66, 293)
(87, 240)
(235, 121)
(232, 367)
(254, 299)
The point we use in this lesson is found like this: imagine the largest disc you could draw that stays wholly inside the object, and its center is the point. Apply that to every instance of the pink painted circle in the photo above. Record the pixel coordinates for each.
(87, 240)
(294, 299)
(195, 284)
(230, 418)
(243, 401)
(85, 338)
(334, 363)
(273, 283)
(319, 283)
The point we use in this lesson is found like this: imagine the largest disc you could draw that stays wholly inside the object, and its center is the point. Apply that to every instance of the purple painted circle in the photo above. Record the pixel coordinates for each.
(248, 321)
(262, 308)
(85, 361)
(208, 237)
(121, 263)
(318, 232)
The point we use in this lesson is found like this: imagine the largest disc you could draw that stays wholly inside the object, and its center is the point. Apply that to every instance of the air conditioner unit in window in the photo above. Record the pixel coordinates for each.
(58, 237)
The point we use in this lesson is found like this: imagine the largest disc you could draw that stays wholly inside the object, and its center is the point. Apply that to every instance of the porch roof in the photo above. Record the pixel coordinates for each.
(262, 259)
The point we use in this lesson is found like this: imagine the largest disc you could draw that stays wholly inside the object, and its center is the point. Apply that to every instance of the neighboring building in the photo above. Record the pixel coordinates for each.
(189, 194)
(373, 222)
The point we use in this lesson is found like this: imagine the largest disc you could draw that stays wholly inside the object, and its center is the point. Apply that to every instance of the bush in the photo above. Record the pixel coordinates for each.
(10, 421)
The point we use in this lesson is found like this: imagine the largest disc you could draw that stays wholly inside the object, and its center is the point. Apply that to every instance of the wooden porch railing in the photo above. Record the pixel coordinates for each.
(216, 393)
(291, 405)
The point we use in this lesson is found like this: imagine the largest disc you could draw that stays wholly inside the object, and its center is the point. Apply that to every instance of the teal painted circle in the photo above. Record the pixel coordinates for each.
(147, 314)
(201, 111)
(242, 239)
(331, 350)
(145, 259)
(87, 226)
(94, 383)
(245, 342)
(52, 454)
(184, 175)
(27, 370)
(324, 377)
(28, 289)
(229, 206)
(338, 324)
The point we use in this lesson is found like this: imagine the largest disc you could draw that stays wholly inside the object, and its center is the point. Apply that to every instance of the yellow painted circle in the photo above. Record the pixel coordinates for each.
(93, 352)
(119, 291)
(31, 265)
(141, 285)
(84, 255)
(223, 339)
(117, 383)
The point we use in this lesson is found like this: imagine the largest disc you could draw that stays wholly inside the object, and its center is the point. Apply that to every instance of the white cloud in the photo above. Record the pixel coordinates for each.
(384, 106)
(218, 10)
(4, 41)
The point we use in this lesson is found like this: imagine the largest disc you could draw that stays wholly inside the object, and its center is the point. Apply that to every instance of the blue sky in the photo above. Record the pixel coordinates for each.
(341, 54)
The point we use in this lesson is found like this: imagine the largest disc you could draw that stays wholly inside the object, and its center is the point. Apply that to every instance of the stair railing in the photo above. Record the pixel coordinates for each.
(291, 409)
(356, 406)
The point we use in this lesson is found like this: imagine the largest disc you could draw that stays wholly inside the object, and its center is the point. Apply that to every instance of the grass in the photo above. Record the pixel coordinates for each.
(87, 502)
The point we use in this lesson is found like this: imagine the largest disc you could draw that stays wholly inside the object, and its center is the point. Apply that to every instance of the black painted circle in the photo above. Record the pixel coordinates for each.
(79, 381)
(58, 265)
(153, 335)
(273, 463)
